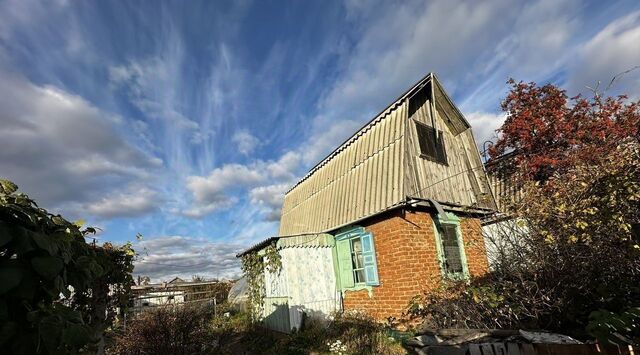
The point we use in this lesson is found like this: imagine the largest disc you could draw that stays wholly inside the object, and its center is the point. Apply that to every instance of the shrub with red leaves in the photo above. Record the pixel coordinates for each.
(550, 132)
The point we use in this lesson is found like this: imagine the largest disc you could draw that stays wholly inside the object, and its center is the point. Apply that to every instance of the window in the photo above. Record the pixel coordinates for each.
(450, 247)
(357, 263)
(356, 259)
(452, 260)
(431, 144)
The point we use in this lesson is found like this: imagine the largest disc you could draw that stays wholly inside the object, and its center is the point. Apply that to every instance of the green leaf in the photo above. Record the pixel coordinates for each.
(27, 288)
(45, 242)
(50, 329)
(10, 277)
(4, 311)
(8, 232)
(59, 221)
(7, 331)
(7, 187)
(47, 266)
(76, 335)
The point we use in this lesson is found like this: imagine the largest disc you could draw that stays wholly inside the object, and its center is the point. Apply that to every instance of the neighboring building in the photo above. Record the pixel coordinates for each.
(393, 209)
(501, 231)
(178, 291)
(176, 280)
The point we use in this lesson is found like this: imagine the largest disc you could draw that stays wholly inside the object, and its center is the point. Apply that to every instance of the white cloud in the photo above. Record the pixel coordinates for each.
(163, 258)
(217, 190)
(135, 202)
(284, 168)
(200, 210)
(246, 142)
(210, 188)
(484, 126)
(148, 86)
(611, 51)
(271, 198)
(327, 139)
(60, 149)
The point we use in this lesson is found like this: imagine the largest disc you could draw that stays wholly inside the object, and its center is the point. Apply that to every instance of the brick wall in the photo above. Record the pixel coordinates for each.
(407, 260)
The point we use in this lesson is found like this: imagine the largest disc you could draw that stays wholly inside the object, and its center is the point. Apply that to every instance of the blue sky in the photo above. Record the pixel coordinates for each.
(187, 121)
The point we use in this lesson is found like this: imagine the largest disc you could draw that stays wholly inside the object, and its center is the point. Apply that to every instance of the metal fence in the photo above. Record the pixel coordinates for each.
(172, 298)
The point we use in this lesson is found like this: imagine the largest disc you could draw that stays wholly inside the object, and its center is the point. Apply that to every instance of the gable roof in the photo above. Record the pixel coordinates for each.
(427, 78)
(380, 166)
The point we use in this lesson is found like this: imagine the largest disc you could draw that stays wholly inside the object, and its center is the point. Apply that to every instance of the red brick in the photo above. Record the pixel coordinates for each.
(407, 260)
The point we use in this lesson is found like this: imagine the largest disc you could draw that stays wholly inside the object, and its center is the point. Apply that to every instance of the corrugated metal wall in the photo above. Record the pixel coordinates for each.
(506, 188)
(276, 314)
(362, 178)
(306, 284)
(381, 165)
(311, 282)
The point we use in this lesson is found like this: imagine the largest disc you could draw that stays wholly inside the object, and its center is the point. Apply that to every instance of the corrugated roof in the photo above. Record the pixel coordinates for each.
(257, 246)
(381, 164)
(376, 118)
(300, 240)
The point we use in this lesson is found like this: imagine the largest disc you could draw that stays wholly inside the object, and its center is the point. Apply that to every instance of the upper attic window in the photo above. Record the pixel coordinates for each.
(431, 144)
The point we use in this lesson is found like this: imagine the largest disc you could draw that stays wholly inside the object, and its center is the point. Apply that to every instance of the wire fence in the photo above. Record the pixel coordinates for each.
(150, 299)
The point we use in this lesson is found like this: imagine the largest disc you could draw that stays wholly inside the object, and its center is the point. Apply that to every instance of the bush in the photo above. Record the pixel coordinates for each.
(346, 333)
(580, 254)
(57, 292)
(183, 329)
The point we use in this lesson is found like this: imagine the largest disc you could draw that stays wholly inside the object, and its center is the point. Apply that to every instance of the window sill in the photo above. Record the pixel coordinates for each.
(426, 157)
(360, 287)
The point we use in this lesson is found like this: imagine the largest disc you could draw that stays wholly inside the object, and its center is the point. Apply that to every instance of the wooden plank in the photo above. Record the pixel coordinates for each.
(487, 349)
(513, 349)
(527, 349)
(474, 349)
(499, 348)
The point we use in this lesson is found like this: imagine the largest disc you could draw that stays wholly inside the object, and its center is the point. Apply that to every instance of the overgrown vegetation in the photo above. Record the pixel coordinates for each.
(183, 329)
(57, 293)
(253, 266)
(344, 333)
(570, 261)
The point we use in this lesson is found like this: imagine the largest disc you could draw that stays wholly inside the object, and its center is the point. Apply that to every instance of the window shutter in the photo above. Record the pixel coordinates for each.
(426, 140)
(344, 263)
(431, 145)
(369, 256)
(442, 152)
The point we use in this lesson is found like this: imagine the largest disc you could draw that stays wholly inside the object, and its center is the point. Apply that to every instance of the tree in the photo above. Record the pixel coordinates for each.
(197, 278)
(143, 280)
(57, 292)
(573, 259)
(548, 132)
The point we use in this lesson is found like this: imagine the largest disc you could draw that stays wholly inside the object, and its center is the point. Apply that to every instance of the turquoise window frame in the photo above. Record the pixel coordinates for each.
(452, 220)
(371, 272)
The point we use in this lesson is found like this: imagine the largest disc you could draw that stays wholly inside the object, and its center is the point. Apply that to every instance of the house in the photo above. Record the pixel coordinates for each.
(177, 292)
(176, 280)
(502, 232)
(388, 213)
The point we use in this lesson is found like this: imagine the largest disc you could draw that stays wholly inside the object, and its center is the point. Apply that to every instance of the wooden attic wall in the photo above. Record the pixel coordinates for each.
(463, 180)
(361, 179)
(380, 165)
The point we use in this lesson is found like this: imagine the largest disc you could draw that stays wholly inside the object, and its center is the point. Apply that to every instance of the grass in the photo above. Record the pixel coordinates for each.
(195, 330)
